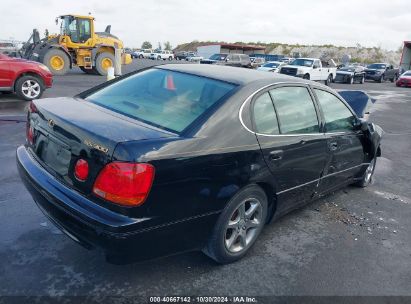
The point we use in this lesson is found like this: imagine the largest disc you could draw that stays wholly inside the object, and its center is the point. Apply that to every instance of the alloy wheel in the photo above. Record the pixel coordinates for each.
(31, 89)
(242, 227)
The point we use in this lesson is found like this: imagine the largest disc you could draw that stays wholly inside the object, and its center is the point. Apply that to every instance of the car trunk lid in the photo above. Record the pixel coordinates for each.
(68, 129)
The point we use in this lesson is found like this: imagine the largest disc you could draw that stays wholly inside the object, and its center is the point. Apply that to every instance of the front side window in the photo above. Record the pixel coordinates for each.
(338, 118)
(265, 119)
(295, 110)
(165, 99)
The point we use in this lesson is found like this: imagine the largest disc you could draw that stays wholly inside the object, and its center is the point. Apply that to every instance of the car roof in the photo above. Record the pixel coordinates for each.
(240, 76)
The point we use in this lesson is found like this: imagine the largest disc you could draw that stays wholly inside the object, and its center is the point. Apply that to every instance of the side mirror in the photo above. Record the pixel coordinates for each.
(360, 124)
(314, 67)
(227, 59)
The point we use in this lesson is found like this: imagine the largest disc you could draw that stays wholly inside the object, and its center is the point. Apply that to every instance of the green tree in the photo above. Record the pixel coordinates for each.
(167, 46)
(146, 45)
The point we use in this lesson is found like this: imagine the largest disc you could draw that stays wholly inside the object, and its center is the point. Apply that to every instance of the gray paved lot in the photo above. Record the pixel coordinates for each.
(354, 242)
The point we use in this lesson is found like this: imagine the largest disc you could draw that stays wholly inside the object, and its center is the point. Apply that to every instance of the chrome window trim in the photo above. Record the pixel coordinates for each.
(248, 99)
(272, 135)
(319, 179)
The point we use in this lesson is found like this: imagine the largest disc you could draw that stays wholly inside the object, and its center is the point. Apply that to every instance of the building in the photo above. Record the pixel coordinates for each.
(225, 48)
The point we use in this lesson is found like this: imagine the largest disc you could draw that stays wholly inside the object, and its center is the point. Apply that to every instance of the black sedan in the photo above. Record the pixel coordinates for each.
(350, 74)
(190, 157)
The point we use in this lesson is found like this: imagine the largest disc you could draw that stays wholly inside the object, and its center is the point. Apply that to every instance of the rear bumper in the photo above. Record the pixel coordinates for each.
(403, 84)
(96, 227)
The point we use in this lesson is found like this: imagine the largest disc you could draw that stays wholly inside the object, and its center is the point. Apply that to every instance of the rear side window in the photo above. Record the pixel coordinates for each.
(295, 110)
(165, 99)
(265, 119)
(338, 118)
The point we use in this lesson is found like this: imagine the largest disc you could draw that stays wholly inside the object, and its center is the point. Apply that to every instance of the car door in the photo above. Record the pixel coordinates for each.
(316, 71)
(287, 129)
(344, 142)
(5, 72)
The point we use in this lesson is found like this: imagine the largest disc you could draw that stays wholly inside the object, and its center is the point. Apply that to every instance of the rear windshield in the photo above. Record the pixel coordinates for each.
(303, 62)
(166, 99)
(219, 57)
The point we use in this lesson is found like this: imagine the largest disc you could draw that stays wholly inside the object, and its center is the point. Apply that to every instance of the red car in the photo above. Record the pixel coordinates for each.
(28, 79)
(404, 80)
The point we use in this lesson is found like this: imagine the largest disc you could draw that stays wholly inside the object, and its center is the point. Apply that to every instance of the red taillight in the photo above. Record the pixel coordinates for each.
(81, 170)
(126, 184)
(30, 134)
(32, 107)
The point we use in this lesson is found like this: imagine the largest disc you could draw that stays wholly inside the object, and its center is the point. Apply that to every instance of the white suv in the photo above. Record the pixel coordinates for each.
(145, 53)
(159, 54)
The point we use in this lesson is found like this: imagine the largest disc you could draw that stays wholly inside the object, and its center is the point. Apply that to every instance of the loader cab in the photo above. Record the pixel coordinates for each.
(78, 28)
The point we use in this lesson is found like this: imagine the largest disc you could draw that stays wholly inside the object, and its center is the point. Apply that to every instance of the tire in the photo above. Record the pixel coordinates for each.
(159, 58)
(170, 58)
(362, 80)
(328, 80)
(229, 244)
(29, 87)
(306, 76)
(141, 56)
(368, 174)
(351, 80)
(381, 79)
(57, 61)
(102, 62)
(394, 79)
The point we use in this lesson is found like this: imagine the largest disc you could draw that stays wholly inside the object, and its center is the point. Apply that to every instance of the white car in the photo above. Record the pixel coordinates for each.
(145, 53)
(271, 66)
(194, 58)
(162, 55)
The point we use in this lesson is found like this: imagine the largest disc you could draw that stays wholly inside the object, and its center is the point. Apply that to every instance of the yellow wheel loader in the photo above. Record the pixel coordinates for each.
(76, 45)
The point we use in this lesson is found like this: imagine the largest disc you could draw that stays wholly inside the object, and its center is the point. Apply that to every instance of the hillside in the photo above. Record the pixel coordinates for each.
(358, 53)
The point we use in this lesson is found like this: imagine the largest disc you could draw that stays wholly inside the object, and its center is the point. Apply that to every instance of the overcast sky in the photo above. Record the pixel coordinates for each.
(384, 23)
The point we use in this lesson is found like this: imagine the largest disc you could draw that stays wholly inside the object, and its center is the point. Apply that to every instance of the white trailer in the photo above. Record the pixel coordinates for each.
(405, 63)
(206, 51)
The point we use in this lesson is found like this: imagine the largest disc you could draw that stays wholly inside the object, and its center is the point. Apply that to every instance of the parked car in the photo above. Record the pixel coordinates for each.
(141, 168)
(381, 72)
(162, 55)
(257, 61)
(28, 79)
(404, 80)
(8, 47)
(183, 55)
(194, 58)
(271, 66)
(145, 53)
(350, 74)
(235, 60)
(311, 69)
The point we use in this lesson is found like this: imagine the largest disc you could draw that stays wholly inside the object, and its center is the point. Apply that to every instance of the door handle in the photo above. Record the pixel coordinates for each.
(333, 146)
(276, 155)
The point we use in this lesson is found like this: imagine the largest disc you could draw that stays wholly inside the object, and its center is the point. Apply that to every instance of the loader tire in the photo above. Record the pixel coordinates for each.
(103, 62)
(57, 61)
